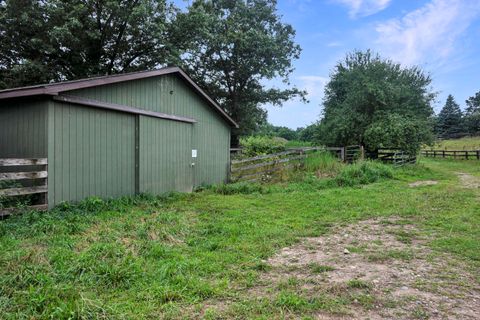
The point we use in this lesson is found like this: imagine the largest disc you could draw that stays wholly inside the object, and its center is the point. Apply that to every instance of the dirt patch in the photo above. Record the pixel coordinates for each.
(389, 260)
(423, 183)
(468, 181)
(373, 269)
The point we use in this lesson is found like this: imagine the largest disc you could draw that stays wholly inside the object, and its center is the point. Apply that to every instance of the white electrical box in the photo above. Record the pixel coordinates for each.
(194, 153)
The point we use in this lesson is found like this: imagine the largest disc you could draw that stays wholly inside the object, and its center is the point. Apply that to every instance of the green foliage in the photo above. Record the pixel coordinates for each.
(259, 145)
(472, 114)
(238, 188)
(365, 89)
(231, 48)
(323, 163)
(309, 133)
(84, 38)
(449, 121)
(396, 131)
(270, 130)
(363, 172)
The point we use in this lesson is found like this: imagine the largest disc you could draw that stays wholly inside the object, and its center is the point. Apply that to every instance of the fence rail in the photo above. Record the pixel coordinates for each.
(395, 156)
(272, 166)
(452, 154)
(23, 177)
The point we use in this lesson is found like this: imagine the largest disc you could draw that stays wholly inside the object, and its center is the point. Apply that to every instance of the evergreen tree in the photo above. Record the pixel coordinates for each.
(450, 122)
(472, 114)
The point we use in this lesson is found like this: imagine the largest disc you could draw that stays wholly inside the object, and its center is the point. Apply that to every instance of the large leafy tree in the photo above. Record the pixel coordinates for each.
(472, 114)
(49, 40)
(377, 103)
(231, 48)
(449, 120)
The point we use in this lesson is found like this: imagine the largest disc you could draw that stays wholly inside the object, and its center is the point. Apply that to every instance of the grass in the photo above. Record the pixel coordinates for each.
(467, 143)
(167, 257)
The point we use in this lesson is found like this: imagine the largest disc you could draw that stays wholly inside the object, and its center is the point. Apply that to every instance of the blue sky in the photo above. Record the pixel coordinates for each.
(441, 36)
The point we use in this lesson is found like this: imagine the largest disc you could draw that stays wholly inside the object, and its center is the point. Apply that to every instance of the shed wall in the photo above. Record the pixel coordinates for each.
(23, 129)
(92, 152)
(165, 156)
(170, 94)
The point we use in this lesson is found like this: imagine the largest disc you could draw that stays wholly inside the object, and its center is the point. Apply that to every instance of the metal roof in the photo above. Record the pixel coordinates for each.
(54, 89)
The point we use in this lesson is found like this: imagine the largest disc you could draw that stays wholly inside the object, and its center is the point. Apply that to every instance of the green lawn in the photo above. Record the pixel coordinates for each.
(167, 257)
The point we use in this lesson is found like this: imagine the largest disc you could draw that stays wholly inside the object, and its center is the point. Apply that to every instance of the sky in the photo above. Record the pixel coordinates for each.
(440, 36)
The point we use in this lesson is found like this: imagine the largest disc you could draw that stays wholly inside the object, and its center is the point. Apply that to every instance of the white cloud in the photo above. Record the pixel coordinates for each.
(363, 8)
(314, 86)
(429, 34)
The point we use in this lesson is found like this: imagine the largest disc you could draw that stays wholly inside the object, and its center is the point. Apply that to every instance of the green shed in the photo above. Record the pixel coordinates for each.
(143, 132)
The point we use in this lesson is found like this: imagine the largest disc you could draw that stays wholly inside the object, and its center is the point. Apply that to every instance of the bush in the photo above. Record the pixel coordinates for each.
(364, 172)
(259, 145)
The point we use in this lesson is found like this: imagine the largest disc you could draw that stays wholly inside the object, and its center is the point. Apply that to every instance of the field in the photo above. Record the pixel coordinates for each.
(467, 143)
(405, 244)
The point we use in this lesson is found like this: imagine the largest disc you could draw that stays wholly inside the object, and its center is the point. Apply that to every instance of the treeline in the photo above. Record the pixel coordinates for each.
(452, 122)
(306, 134)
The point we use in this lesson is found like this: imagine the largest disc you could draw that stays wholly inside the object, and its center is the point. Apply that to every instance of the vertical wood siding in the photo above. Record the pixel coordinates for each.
(170, 94)
(93, 153)
(23, 132)
(165, 156)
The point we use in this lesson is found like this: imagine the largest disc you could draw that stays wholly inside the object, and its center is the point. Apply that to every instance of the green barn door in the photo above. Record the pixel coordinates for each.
(165, 148)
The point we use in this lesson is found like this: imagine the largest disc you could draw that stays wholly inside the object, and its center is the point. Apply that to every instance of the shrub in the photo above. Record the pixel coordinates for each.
(364, 172)
(258, 145)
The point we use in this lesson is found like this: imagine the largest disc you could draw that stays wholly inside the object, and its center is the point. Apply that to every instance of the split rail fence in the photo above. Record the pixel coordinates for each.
(23, 178)
(452, 154)
(273, 166)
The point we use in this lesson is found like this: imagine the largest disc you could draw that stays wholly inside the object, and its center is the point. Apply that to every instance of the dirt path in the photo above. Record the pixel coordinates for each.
(388, 262)
(373, 269)
(468, 181)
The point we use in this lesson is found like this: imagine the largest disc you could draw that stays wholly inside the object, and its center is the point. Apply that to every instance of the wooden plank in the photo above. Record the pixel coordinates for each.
(120, 108)
(10, 211)
(262, 173)
(23, 175)
(267, 156)
(269, 163)
(23, 191)
(23, 162)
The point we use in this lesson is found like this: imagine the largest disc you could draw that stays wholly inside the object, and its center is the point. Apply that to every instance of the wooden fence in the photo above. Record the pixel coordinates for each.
(452, 154)
(273, 166)
(23, 177)
(395, 156)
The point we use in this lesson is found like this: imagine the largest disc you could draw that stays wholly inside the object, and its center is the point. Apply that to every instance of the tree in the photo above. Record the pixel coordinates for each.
(472, 114)
(367, 94)
(231, 48)
(270, 130)
(450, 122)
(309, 133)
(51, 40)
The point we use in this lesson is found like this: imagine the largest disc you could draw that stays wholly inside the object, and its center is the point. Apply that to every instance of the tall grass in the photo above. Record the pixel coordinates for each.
(323, 164)
(363, 172)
